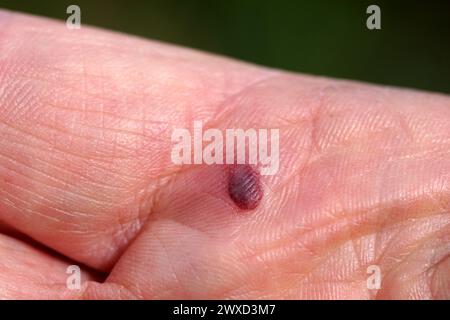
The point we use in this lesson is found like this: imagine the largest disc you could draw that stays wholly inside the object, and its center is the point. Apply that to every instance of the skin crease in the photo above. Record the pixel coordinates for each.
(85, 123)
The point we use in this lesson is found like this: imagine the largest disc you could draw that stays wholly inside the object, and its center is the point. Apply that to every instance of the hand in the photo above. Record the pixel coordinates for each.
(86, 178)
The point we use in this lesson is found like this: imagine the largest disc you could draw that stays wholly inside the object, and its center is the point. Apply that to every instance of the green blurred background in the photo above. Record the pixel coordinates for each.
(318, 37)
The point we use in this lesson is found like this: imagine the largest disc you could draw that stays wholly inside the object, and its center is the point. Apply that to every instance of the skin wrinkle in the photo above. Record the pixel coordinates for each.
(15, 244)
(75, 155)
(326, 229)
(281, 186)
(377, 261)
(92, 292)
(173, 175)
(54, 178)
(404, 260)
(43, 140)
(418, 245)
(312, 145)
(73, 213)
(224, 113)
(142, 221)
(13, 205)
(66, 191)
(79, 213)
(336, 241)
(433, 270)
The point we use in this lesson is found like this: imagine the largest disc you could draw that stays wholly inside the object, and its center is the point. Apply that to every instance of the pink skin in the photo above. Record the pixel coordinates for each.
(85, 124)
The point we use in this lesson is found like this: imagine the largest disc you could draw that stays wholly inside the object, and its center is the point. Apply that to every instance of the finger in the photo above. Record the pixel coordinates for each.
(85, 120)
(29, 273)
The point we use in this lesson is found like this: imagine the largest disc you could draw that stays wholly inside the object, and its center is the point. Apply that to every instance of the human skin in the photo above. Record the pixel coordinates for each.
(86, 177)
